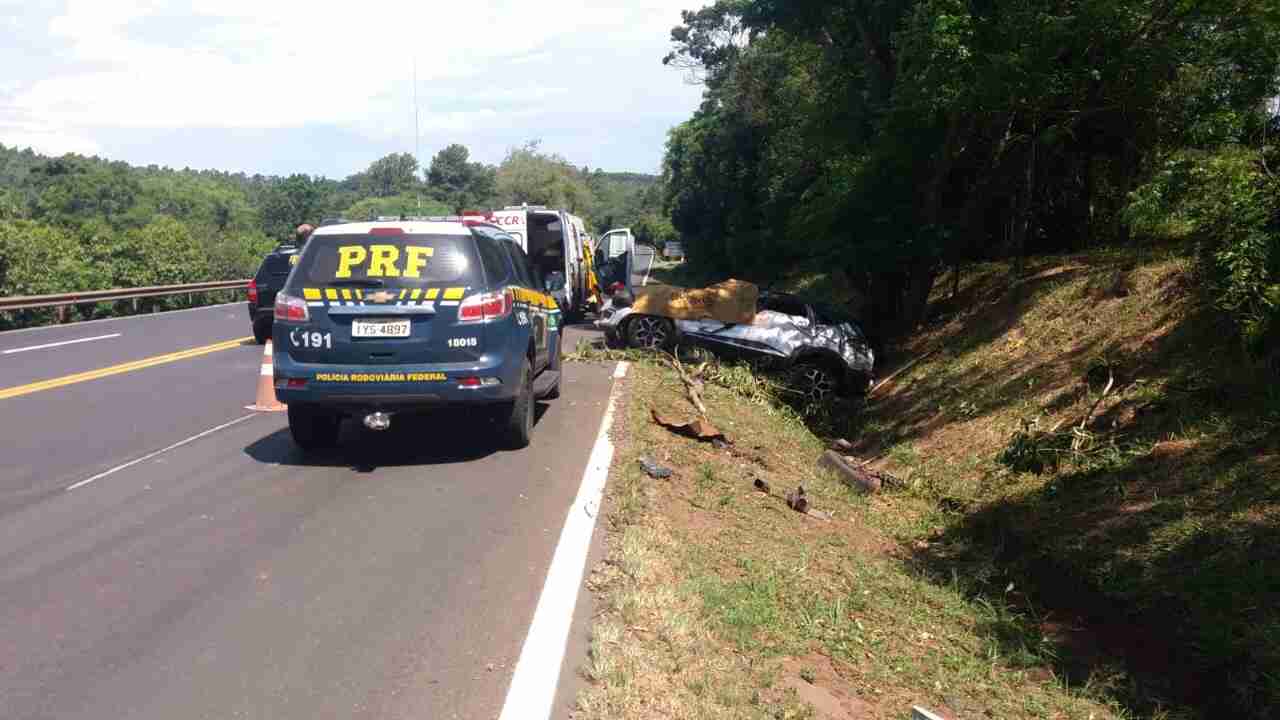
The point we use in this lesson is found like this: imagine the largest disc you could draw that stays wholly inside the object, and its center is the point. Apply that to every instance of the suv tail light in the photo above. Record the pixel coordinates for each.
(291, 309)
(486, 307)
(253, 291)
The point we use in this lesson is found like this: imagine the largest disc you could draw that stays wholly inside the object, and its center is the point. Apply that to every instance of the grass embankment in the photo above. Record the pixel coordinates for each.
(717, 600)
(1142, 523)
(1028, 566)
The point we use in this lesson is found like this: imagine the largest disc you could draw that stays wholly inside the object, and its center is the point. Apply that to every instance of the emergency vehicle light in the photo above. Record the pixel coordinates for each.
(387, 231)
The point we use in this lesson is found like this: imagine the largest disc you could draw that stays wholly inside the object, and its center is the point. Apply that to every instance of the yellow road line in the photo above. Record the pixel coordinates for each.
(52, 383)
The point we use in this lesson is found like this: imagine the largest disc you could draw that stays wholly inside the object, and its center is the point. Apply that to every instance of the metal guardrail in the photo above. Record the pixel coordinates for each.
(27, 302)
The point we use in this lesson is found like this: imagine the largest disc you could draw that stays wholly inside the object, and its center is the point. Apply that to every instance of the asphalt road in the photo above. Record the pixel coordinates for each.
(230, 577)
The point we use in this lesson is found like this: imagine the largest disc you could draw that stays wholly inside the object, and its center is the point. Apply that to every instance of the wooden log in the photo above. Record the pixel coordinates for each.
(854, 476)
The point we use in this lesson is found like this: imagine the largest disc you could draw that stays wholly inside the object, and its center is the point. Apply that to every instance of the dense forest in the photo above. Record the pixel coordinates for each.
(897, 140)
(80, 223)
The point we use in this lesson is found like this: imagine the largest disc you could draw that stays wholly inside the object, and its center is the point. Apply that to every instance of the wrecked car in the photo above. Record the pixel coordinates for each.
(823, 351)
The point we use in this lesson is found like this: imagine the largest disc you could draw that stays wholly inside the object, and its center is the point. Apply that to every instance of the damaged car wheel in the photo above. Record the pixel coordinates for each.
(650, 332)
(816, 384)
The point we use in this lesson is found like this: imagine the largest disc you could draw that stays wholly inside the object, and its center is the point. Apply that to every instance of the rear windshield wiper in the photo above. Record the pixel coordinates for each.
(368, 282)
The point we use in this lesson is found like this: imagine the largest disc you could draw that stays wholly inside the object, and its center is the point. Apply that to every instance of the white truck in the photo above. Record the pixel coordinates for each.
(553, 241)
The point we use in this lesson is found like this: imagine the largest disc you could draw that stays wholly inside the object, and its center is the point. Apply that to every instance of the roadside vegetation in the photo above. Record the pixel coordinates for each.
(1062, 223)
(892, 141)
(717, 600)
(1091, 436)
(1083, 521)
(76, 223)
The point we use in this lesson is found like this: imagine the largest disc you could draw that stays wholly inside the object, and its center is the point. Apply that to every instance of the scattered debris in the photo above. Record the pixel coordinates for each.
(919, 713)
(797, 500)
(820, 514)
(855, 476)
(697, 428)
(653, 469)
(827, 704)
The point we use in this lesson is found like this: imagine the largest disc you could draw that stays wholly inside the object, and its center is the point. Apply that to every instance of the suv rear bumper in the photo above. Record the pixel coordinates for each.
(355, 388)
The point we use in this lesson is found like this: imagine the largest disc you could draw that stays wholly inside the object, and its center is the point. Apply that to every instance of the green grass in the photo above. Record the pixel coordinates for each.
(1155, 526)
(1161, 514)
(715, 596)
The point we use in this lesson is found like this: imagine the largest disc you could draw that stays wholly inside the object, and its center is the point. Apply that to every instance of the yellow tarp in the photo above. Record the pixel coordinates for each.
(731, 301)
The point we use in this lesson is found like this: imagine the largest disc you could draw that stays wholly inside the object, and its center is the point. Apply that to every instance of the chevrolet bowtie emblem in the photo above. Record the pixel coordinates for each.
(382, 296)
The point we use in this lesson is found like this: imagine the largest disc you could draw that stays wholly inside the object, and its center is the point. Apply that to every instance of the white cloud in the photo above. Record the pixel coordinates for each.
(248, 64)
(48, 142)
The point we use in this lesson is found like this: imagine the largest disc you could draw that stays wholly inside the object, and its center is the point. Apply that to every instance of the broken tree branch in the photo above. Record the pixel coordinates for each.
(1111, 379)
(901, 370)
(692, 384)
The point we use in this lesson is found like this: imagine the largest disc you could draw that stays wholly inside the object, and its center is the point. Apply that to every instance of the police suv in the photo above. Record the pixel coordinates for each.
(385, 317)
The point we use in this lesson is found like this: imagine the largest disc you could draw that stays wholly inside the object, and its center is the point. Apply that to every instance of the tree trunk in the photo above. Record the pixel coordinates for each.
(916, 298)
(1022, 222)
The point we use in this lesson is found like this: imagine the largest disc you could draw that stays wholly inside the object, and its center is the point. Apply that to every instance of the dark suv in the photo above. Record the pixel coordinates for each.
(269, 279)
(387, 317)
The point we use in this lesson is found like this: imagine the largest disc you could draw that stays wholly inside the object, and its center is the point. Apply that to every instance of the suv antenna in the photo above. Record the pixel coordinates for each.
(417, 151)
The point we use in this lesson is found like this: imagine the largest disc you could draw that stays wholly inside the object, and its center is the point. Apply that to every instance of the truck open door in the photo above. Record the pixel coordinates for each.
(615, 257)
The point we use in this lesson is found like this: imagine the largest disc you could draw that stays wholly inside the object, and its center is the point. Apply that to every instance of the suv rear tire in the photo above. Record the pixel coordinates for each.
(262, 330)
(313, 429)
(518, 420)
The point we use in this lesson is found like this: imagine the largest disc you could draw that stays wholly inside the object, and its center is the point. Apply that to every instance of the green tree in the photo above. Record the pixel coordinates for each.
(459, 183)
(289, 202)
(71, 189)
(527, 175)
(391, 175)
(891, 139)
(37, 259)
(399, 205)
(161, 253)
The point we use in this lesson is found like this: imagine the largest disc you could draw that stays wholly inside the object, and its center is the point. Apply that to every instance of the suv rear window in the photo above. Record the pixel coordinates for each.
(275, 265)
(395, 260)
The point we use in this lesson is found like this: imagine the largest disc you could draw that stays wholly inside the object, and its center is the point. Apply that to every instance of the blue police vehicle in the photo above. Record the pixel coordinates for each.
(387, 317)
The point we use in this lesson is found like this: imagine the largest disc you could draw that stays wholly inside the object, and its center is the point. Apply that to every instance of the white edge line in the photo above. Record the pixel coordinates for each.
(537, 673)
(139, 316)
(161, 451)
(60, 343)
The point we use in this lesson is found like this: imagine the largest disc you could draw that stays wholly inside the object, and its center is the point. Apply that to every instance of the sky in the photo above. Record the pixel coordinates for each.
(285, 86)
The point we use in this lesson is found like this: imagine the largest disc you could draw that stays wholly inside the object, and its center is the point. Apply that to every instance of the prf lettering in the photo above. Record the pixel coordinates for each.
(383, 260)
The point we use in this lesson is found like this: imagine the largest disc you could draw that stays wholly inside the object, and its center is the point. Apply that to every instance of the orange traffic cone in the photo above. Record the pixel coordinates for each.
(266, 391)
